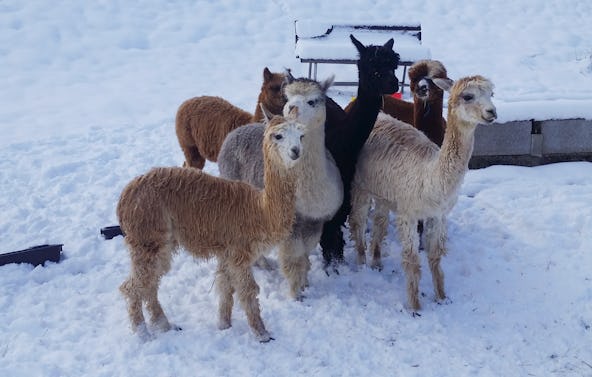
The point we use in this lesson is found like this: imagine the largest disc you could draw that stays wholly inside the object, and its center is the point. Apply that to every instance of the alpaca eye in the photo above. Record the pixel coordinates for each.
(468, 97)
(301, 137)
(311, 103)
(278, 137)
(275, 88)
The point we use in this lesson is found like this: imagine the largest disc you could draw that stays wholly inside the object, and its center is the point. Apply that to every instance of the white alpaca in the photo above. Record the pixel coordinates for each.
(208, 216)
(319, 190)
(403, 171)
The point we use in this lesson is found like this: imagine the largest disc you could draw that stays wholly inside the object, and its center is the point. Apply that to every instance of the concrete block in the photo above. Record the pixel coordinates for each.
(566, 136)
(511, 138)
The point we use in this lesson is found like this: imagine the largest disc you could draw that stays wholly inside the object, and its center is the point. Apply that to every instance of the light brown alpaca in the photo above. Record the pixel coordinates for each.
(202, 123)
(403, 171)
(168, 208)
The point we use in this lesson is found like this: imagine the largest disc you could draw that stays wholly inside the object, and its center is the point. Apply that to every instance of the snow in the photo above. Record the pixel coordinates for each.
(88, 97)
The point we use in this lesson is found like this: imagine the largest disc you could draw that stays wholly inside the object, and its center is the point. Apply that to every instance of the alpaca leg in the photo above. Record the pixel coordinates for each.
(379, 230)
(310, 243)
(161, 263)
(436, 245)
(131, 291)
(146, 269)
(192, 157)
(410, 242)
(225, 291)
(357, 223)
(293, 262)
(246, 287)
(263, 263)
(332, 240)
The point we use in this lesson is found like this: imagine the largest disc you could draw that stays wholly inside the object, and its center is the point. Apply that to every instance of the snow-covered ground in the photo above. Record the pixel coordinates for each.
(88, 95)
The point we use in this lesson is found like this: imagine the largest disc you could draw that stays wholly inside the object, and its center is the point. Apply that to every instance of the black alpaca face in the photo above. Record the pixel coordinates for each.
(377, 66)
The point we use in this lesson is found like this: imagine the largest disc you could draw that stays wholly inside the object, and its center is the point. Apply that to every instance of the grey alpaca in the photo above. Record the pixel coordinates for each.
(319, 190)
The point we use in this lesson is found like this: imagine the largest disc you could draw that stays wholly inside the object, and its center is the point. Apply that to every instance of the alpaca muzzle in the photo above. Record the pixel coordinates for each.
(294, 153)
(423, 87)
(490, 115)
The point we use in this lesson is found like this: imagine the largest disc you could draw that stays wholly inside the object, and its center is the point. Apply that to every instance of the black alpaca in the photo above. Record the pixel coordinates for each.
(345, 134)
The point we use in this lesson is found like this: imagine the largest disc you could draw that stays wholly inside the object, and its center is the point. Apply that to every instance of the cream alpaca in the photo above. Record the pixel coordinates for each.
(168, 208)
(402, 170)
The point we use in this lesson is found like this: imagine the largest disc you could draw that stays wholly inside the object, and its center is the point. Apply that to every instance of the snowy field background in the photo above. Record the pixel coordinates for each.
(88, 95)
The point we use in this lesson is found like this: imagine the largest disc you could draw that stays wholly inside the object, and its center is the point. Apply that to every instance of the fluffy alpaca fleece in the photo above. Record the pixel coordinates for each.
(403, 171)
(318, 184)
(347, 133)
(168, 208)
(203, 122)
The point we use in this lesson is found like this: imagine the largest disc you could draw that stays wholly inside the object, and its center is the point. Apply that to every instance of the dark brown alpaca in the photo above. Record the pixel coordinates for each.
(202, 123)
(425, 113)
(345, 134)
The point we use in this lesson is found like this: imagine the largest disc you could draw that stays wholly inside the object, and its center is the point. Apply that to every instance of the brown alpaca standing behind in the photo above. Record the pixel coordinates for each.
(168, 208)
(202, 123)
(425, 114)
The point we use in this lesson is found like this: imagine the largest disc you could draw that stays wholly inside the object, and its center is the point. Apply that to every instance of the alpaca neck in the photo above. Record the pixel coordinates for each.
(453, 159)
(318, 187)
(278, 198)
(271, 107)
(315, 147)
(361, 118)
(427, 117)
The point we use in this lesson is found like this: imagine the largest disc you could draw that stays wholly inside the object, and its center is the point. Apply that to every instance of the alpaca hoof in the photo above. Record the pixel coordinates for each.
(223, 325)
(415, 314)
(377, 265)
(331, 266)
(299, 297)
(163, 325)
(443, 301)
(143, 334)
(264, 337)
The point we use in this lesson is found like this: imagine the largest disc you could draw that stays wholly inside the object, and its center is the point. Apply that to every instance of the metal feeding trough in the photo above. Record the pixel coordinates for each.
(35, 255)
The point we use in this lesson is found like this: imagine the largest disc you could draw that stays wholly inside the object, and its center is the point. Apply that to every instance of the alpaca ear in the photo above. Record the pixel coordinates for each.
(444, 84)
(288, 78)
(327, 83)
(267, 75)
(361, 48)
(389, 44)
(267, 115)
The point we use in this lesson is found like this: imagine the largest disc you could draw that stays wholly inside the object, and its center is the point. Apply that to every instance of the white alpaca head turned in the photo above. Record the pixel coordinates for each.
(285, 135)
(470, 99)
(308, 96)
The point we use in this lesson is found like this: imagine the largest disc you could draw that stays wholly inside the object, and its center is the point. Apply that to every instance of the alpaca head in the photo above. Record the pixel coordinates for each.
(271, 90)
(283, 137)
(470, 99)
(308, 97)
(376, 67)
(421, 74)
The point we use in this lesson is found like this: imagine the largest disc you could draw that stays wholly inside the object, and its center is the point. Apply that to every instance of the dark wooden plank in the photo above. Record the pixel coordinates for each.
(35, 255)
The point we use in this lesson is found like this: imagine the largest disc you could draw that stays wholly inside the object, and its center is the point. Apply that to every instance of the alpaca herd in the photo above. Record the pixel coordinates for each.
(291, 175)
